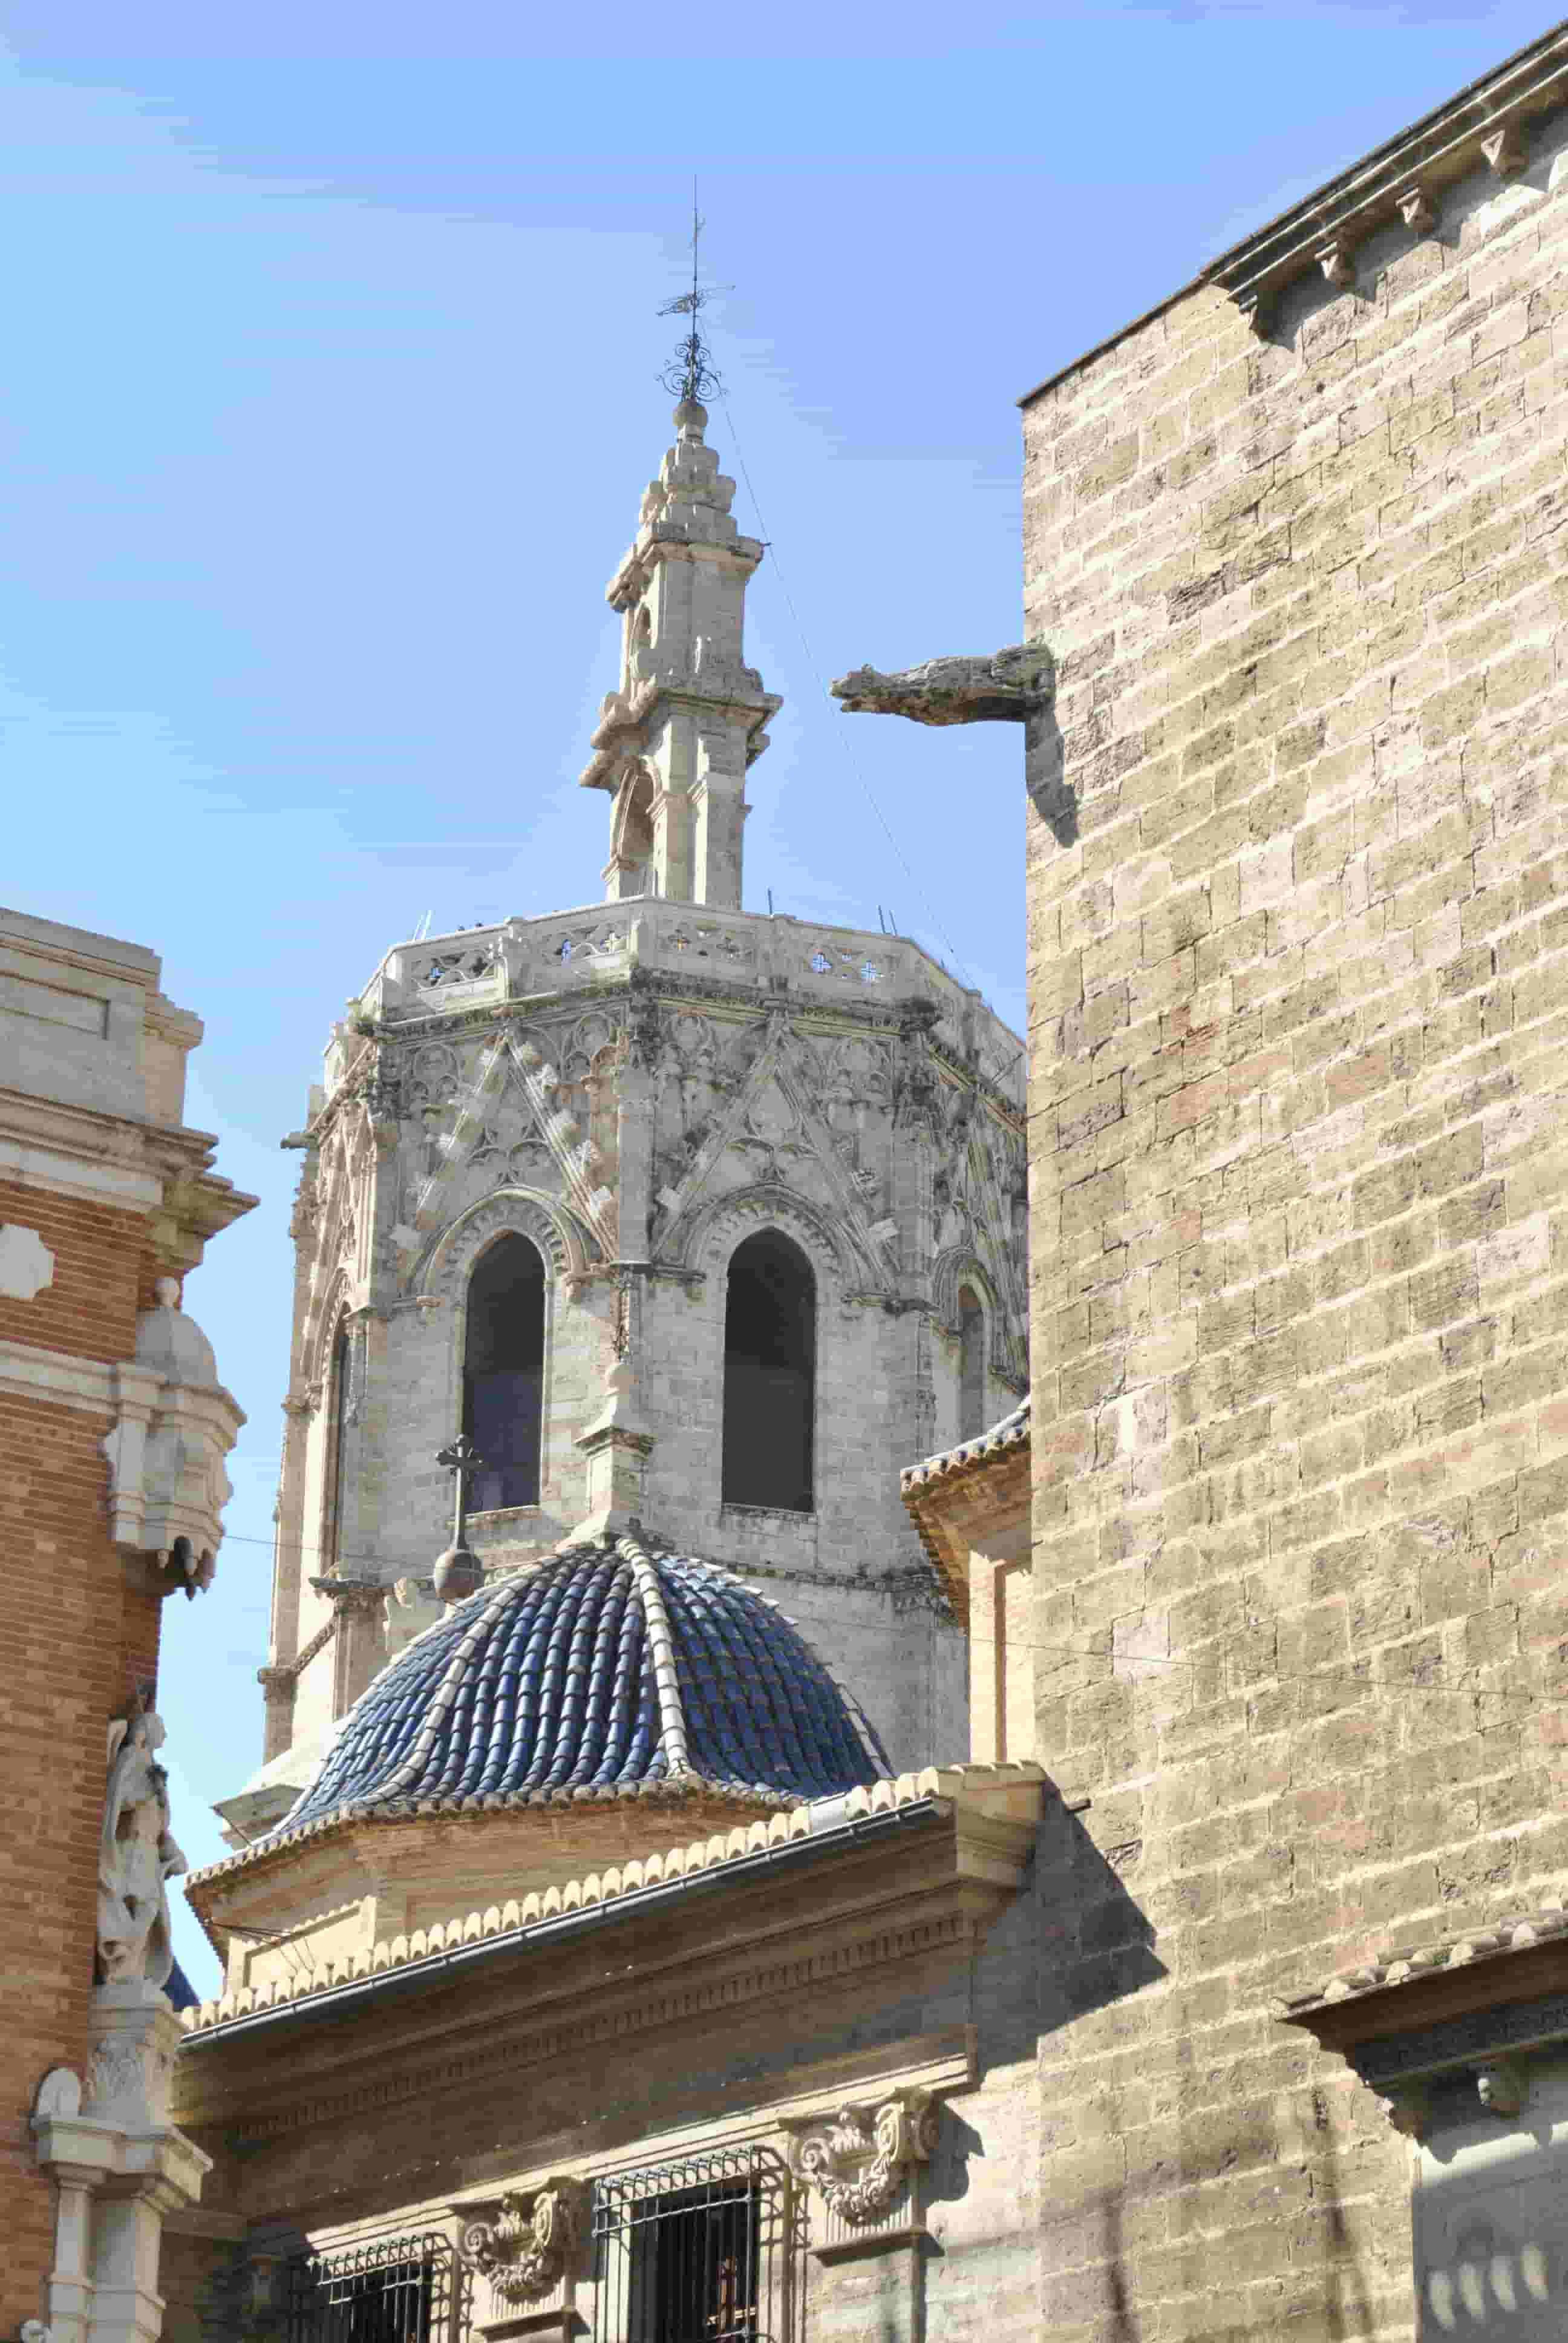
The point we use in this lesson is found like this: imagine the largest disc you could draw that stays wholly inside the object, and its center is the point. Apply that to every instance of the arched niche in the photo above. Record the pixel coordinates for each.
(504, 1370)
(768, 1438)
(973, 1351)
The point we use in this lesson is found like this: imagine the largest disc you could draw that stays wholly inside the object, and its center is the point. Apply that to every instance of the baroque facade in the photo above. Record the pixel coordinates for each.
(114, 1429)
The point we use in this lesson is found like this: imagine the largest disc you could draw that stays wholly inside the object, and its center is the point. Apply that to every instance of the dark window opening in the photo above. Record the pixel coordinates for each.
(770, 1375)
(693, 2253)
(337, 1451)
(503, 1374)
(971, 1365)
(393, 2290)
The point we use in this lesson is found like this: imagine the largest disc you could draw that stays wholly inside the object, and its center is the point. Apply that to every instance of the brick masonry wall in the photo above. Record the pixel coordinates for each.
(1298, 997)
(75, 1642)
(102, 1263)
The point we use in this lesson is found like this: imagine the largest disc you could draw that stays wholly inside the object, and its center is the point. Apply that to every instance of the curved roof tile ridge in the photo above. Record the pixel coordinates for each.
(1011, 1431)
(608, 1670)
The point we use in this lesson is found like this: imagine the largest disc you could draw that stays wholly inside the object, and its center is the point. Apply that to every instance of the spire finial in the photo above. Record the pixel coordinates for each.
(691, 377)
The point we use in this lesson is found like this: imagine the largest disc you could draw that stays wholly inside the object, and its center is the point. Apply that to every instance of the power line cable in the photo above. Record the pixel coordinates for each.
(1130, 1659)
(844, 749)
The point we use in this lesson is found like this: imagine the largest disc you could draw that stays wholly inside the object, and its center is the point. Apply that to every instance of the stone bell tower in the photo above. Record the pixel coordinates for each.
(688, 1216)
(673, 743)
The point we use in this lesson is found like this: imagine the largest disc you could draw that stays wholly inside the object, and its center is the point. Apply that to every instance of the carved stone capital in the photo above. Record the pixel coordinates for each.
(527, 2241)
(859, 2159)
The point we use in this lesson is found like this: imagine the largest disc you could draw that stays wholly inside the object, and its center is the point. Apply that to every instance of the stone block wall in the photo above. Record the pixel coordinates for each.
(1299, 998)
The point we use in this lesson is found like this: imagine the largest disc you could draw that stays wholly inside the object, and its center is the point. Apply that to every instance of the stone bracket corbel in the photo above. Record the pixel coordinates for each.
(863, 2157)
(528, 2241)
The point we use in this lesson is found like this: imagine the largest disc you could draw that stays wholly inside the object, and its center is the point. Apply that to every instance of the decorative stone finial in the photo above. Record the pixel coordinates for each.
(459, 1572)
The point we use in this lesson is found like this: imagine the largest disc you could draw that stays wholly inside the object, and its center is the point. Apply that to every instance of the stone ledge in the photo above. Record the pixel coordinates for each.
(1482, 124)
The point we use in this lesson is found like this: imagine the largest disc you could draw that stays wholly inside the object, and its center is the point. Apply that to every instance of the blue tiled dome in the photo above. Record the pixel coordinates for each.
(604, 1671)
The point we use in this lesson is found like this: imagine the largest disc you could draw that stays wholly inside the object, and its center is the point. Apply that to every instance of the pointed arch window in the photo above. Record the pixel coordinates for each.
(971, 1364)
(339, 1406)
(503, 1371)
(770, 1375)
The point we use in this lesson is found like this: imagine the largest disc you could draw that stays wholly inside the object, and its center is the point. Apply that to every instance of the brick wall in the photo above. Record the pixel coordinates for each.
(1299, 1212)
(75, 1640)
(102, 1265)
(74, 1643)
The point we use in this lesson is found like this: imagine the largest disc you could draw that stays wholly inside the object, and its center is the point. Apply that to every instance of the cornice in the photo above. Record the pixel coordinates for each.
(925, 1882)
(997, 1806)
(1396, 181)
(1483, 125)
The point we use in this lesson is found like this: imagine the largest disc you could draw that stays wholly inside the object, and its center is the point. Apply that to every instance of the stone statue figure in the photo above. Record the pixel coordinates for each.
(136, 1857)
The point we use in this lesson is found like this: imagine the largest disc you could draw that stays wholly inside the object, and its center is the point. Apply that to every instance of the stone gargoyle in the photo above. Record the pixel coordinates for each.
(999, 686)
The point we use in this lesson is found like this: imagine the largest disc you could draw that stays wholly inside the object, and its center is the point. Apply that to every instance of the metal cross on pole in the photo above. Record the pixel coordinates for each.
(459, 1571)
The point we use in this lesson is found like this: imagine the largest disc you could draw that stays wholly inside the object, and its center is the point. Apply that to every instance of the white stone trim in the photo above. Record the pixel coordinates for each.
(61, 1377)
(72, 1175)
(26, 1264)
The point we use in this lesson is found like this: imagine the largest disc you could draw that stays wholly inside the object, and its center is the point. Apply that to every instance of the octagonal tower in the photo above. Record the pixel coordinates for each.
(701, 1222)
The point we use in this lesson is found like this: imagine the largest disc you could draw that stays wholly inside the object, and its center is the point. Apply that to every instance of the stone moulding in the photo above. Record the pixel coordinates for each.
(860, 2159)
(1486, 123)
(528, 2240)
(1439, 2030)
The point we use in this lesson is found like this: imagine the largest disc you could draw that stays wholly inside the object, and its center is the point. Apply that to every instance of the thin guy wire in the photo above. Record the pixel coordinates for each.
(1139, 1660)
(844, 749)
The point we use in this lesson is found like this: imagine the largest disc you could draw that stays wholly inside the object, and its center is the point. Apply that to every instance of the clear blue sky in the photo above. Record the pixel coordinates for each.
(329, 397)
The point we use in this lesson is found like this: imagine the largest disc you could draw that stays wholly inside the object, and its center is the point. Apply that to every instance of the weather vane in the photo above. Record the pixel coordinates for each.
(691, 374)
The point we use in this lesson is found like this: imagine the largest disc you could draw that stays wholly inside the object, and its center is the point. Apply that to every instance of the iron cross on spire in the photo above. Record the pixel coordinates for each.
(459, 1571)
(691, 375)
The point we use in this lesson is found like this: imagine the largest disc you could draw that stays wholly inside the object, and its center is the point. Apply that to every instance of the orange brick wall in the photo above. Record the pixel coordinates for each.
(102, 1266)
(75, 1642)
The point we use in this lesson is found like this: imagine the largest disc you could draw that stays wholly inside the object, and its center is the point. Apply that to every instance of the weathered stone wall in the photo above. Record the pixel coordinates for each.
(637, 1140)
(1298, 980)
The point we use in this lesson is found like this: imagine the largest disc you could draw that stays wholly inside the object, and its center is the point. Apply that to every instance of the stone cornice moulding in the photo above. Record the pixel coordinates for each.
(156, 1169)
(1486, 123)
(514, 2053)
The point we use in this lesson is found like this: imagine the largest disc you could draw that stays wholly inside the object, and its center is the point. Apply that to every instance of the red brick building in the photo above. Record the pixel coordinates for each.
(113, 1431)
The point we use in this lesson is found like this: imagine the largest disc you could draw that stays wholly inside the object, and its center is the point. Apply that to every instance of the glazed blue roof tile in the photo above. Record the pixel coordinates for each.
(546, 1685)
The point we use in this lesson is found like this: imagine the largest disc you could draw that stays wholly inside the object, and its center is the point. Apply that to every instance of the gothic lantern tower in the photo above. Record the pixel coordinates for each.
(699, 1222)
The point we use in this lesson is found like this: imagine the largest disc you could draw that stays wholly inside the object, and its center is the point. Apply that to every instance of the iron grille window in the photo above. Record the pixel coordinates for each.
(698, 2251)
(390, 2290)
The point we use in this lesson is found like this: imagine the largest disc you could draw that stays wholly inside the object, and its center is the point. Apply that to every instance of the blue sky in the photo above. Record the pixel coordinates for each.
(329, 398)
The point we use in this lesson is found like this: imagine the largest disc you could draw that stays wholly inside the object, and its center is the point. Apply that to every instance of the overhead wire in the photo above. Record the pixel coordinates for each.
(1102, 1651)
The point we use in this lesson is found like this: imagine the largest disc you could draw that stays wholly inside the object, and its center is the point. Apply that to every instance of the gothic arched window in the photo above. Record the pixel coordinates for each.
(972, 1364)
(770, 1375)
(503, 1373)
(338, 1403)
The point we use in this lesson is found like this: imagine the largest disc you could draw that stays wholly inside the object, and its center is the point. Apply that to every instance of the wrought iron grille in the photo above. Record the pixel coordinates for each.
(702, 2250)
(390, 2290)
